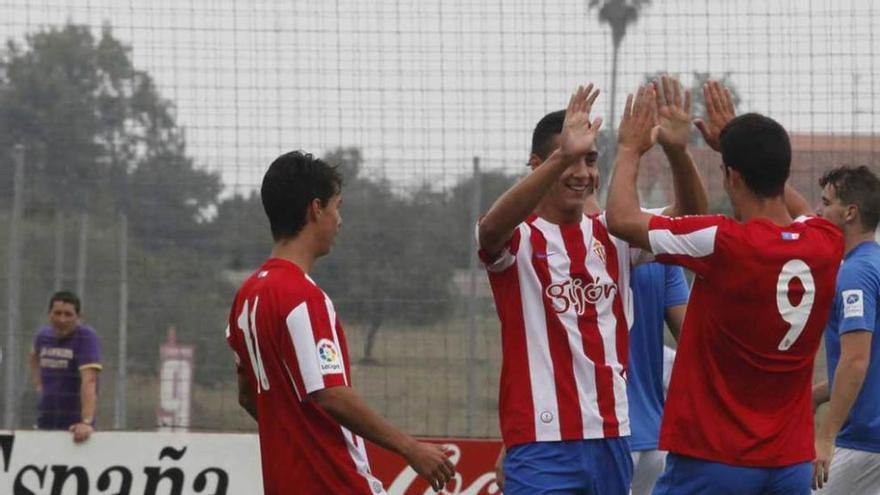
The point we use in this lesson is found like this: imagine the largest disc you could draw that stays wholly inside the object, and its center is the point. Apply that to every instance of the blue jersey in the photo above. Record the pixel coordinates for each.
(655, 287)
(855, 308)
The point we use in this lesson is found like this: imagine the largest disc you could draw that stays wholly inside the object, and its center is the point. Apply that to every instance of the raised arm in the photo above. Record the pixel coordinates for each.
(518, 202)
(626, 219)
(720, 111)
(673, 134)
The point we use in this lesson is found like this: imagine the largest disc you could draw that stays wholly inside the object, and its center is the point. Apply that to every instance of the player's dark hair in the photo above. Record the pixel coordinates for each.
(65, 296)
(759, 149)
(542, 137)
(290, 185)
(856, 186)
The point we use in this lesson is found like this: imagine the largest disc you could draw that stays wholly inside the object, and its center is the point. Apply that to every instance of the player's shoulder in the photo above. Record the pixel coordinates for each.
(820, 224)
(45, 332)
(862, 266)
(86, 332)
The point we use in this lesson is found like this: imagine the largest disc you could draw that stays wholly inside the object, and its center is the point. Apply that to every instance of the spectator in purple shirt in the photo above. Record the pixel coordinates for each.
(65, 362)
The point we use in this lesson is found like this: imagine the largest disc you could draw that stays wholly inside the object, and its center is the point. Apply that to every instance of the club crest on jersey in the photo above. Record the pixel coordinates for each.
(577, 295)
(599, 250)
(328, 357)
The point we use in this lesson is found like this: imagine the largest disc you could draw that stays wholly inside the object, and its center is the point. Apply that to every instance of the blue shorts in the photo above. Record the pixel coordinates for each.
(582, 467)
(687, 475)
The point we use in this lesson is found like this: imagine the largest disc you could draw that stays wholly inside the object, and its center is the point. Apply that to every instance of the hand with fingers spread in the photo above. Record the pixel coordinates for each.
(719, 111)
(578, 133)
(636, 130)
(673, 113)
(822, 463)
(430, 462)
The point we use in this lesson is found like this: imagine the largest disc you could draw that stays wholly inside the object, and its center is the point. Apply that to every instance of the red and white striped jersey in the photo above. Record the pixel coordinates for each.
(288, 343)
(563, 297)
(741, 385)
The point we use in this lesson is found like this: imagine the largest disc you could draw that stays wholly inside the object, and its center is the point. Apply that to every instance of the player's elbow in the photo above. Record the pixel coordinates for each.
(326, 398)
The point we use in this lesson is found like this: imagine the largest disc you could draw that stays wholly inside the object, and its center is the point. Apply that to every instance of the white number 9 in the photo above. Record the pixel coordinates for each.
(796, 316)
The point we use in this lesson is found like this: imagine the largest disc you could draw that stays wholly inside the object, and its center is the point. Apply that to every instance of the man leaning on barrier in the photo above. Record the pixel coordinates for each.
(65, 362)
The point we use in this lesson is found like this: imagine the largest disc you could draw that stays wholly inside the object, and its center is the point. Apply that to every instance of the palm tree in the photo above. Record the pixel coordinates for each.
(619, 14)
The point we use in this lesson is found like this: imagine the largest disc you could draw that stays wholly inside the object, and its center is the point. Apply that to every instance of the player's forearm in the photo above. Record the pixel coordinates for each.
(691, 197)
(88, 399)
(675, 319)
(247, 397)
(795, 203)
(625, 217)
(848, 380)
(821, 393)
(518, 202)
(35, 372)
(345, 406)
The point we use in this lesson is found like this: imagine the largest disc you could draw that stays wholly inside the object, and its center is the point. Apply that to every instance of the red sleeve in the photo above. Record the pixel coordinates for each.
(504, 259)
(687, 241)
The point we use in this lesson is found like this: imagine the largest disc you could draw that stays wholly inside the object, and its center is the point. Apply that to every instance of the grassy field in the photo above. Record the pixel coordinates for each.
(418, 381)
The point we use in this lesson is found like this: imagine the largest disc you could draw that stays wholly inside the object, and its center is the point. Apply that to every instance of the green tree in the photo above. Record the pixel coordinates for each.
(101, 140)
(391, 261)
(101, 137)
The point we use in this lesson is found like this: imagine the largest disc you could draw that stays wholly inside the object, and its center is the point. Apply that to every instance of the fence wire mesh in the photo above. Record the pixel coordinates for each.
(145, 127)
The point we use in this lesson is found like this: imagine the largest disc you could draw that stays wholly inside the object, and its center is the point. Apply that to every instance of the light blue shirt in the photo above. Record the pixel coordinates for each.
(655, 287)
(855, 308)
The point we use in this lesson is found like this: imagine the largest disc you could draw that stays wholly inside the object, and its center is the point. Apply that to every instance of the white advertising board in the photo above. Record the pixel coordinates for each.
(128, 463)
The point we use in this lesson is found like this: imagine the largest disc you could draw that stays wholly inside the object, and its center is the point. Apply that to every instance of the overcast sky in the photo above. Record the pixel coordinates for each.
(424, 86)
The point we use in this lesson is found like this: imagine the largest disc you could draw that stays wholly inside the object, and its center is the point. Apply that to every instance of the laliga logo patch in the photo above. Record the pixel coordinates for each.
(328, 357)
(853, 304)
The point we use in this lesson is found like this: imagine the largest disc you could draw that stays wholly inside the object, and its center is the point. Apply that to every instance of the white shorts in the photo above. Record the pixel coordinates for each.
(648, 465)
(853, 472)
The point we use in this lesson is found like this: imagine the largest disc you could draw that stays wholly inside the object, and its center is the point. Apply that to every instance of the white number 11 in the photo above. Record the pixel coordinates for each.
(247, 325)
(796, 316)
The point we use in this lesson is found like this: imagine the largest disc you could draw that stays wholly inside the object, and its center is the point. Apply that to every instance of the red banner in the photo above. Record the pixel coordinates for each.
(474, 462)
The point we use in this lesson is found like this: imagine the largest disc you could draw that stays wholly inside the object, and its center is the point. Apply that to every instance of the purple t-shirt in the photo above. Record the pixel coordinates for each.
(61, 360)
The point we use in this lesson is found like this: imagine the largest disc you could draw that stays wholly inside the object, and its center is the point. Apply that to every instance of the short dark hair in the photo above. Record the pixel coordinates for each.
(542, 137)
(759, 149)
(856, 186)
(292, 182)
(65, 296)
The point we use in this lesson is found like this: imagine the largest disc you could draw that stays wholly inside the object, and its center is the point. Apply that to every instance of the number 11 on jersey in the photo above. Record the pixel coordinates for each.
(247, 324)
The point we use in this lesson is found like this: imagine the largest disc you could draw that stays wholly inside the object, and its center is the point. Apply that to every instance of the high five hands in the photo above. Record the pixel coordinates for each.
(670, 108)
(719, 111)
(578, 133)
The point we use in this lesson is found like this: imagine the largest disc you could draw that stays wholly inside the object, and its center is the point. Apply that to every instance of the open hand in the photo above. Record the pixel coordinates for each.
(578, 133)
(431, 462)
(673, 113)
(636, 130)
(719, 111)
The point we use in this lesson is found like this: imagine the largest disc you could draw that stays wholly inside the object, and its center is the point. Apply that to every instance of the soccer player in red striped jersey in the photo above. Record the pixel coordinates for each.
(291, 355)
(738, 417)
(561, 288)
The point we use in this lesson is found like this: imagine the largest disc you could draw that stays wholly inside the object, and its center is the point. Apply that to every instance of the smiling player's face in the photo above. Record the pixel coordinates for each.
(579, 182)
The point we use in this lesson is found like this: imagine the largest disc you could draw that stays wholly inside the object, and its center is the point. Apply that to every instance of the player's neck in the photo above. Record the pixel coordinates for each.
(591, 207)
(852, 238)
(297, 251)
(772, 209)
